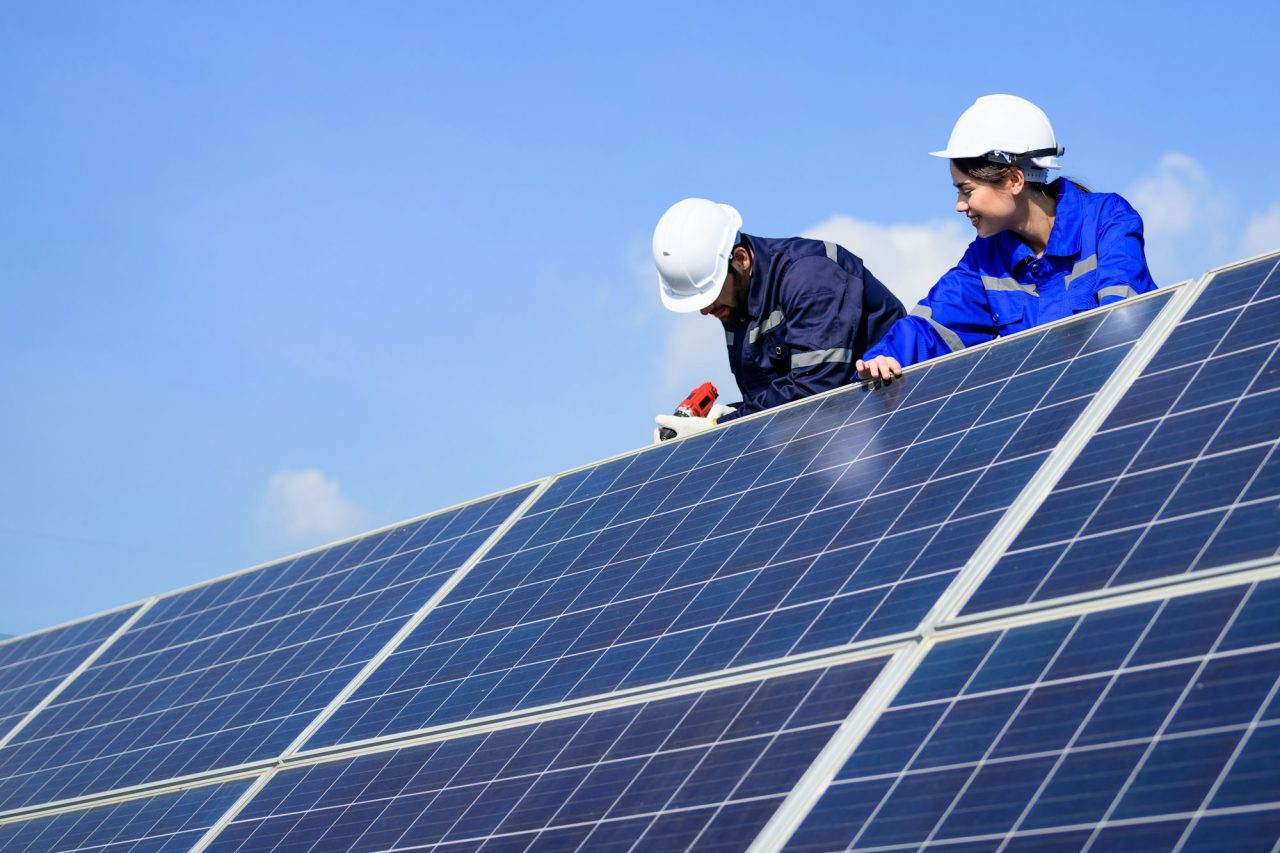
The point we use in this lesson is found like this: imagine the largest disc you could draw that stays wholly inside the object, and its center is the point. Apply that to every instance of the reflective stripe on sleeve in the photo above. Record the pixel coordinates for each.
(728, 337)
(991, 283)
(1082, 266)
(840, 355)
(769, 322)
(1124, 291)
(831, 249)
(950, 338)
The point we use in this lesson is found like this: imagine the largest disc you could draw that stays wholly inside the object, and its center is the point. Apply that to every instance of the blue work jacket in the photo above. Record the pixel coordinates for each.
(812, 307)
(1094, 257)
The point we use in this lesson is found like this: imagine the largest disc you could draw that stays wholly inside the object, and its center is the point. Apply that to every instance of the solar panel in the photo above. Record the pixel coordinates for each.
(836, 521)
(232, 671)
(1139, 728)
(163, 823)
(749, 637)
(704, 769)
(1184, 476)
(32, 666)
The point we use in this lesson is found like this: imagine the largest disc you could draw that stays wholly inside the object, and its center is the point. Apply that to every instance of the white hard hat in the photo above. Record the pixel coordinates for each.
(1004, 129)
(691, 249)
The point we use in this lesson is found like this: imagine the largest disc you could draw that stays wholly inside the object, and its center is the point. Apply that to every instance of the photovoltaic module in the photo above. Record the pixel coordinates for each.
(1024, 598)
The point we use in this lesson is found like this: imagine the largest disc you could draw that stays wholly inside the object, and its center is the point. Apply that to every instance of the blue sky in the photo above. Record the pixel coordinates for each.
(272, 274)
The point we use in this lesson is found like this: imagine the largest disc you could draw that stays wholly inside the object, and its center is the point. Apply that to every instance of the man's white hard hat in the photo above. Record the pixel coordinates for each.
(692, 245)
(1004, 129)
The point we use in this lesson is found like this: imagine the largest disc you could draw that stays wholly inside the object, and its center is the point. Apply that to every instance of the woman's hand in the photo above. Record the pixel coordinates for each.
(882, 367)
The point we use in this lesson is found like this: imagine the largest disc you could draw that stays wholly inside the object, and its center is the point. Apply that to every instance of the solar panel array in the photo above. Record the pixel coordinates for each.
(1024, 597)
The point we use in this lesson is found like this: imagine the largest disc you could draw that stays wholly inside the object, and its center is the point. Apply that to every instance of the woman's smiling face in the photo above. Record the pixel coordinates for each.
(989, 206)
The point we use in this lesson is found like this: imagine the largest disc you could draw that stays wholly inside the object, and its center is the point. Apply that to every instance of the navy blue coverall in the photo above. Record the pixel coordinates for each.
(812, 308)
(1094, 257)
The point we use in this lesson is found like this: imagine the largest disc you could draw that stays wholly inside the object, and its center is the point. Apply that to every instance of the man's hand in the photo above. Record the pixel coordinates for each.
(882, 367)
(683, 426)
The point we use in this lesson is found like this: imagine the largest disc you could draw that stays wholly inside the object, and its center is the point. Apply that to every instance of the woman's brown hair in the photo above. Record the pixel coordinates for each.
(981, 169)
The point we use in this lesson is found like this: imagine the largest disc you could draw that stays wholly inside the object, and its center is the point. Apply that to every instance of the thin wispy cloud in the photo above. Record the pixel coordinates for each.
(1193, 223)
(308, 508)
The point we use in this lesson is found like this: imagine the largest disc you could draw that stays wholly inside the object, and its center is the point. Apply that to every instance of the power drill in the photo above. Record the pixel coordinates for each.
(696, 405)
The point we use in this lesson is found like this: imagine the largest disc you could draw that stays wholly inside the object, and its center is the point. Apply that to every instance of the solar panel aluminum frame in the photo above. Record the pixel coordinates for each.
(907, 649)
(123, 795)
(667, 690)
(140, 607)
(249, 768)
(1087, 423)
(792, 813)
(942, 624)
(1191, 292)
(993, 546)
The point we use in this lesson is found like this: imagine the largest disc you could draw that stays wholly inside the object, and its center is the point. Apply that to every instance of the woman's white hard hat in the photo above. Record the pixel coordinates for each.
(1004, 129)
(692, 245)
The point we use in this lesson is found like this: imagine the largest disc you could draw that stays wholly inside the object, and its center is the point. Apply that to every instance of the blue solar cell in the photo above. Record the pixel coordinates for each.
(1182, 476)
(1014, 738)
(834, 522)
(32, 666)
(162, 823)
(233, 671)
(704, 770)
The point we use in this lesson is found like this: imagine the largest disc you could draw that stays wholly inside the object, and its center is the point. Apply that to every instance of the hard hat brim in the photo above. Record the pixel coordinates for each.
(687, 303)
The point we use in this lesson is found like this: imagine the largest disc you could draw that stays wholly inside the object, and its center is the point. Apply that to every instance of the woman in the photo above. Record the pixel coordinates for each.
(1046, 248)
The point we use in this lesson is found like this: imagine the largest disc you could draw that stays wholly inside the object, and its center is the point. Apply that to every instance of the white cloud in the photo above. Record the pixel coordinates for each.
(907, 258)
(695, 353)
(1191, 223)
(1262, 233)
(308, 507)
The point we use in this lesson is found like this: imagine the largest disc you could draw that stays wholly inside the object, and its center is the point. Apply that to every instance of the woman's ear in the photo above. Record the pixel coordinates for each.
(1015, 181)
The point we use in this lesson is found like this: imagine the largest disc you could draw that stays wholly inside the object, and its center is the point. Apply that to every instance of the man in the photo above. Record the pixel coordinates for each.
(796, 312)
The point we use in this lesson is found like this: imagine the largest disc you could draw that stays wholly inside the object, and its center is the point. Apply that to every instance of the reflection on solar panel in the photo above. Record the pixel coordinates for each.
(165, 822)
(1024, 598)
(32, 667)
(817, 526)
(231, 672)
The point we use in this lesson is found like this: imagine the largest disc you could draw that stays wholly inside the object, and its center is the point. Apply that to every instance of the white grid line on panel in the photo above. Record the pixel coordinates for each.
(1146, 526)
(603, 702)
(350, 540)
(951, 517)
(234, 809)
(1060, 459)
(1155, 739)
(1227, 767)
(756, 672)
(71, 676)
(416, 619)
(806, 793)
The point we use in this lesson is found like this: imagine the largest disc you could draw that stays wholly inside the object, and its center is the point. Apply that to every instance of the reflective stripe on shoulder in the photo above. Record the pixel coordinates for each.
(1124, 291)
(1082, 266)
(831, 249)
(769, 322)
(950, 338)
(839, 355)
(991, 283)
(728, 337)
